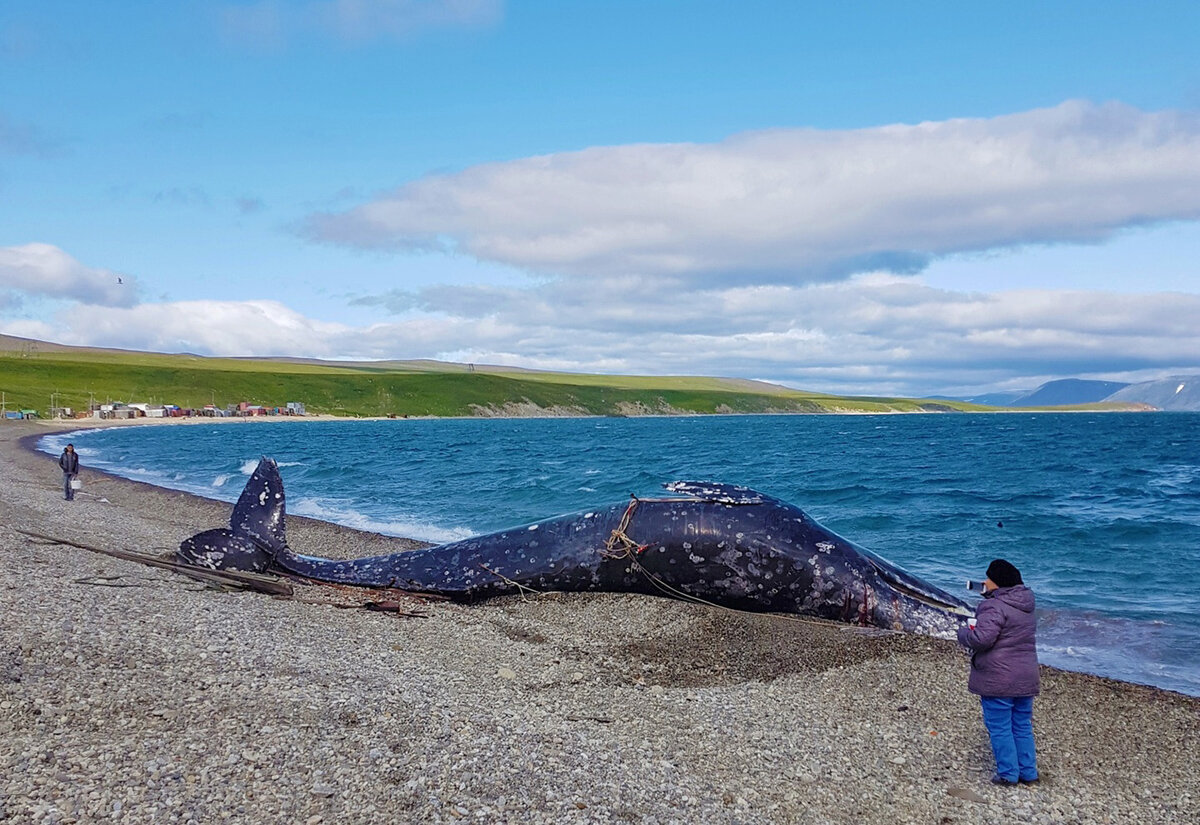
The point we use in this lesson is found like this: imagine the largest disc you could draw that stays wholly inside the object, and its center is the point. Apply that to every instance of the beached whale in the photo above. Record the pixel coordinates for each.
(713, 543)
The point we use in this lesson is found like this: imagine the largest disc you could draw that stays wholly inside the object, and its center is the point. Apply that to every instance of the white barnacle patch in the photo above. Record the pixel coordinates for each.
(687, 545)
(828, 571)
(824, 547)
(694, 558)
(262, 498)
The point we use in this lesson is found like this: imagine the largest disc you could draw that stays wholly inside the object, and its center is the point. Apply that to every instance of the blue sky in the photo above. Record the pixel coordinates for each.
(884, 198)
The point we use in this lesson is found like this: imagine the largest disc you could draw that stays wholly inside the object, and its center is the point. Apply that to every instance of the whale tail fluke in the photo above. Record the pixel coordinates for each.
(256, 533)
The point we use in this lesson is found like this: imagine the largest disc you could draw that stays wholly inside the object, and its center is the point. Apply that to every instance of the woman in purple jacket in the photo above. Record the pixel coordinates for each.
(1004, 670)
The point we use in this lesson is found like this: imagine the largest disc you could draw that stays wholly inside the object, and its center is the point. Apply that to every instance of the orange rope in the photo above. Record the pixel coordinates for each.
(619, 545)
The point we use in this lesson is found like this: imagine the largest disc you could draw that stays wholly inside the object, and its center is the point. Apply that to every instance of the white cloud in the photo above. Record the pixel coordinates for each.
(41, 269)
(272, 22)
(801, 205)
(226, 328)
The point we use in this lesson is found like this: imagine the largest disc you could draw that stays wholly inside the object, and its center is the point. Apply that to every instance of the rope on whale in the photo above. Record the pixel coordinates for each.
(621, 546)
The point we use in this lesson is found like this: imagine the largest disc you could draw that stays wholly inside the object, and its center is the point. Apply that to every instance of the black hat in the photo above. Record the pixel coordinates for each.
(1003, 573)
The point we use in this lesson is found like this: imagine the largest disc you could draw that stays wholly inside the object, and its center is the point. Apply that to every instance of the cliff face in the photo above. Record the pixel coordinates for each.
(1178, 393)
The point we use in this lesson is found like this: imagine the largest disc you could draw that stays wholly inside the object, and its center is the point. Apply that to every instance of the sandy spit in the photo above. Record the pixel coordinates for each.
(133, 694)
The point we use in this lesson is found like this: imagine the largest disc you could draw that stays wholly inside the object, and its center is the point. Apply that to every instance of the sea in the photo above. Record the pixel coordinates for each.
(1100, 511)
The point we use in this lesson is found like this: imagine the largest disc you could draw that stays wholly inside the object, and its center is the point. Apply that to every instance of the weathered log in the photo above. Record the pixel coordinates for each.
(231, 578)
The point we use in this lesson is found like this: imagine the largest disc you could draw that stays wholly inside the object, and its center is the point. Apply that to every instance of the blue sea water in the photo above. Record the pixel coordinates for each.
(1101, 512)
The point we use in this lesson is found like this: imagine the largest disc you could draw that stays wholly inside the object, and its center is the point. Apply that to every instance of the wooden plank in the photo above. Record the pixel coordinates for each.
(231, 578)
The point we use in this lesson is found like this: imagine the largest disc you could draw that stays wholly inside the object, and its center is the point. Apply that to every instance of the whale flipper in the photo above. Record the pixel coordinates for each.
(717, 492)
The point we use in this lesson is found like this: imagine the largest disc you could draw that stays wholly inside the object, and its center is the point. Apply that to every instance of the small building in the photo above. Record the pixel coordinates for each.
(295, 408)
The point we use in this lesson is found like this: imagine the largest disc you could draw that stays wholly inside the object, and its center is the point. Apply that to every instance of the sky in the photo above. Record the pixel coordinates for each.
(924, 198)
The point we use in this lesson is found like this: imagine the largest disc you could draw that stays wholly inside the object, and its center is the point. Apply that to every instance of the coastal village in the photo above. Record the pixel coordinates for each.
(117, 410)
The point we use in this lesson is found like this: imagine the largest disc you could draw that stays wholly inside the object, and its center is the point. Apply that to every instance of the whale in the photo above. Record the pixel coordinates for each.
(719, 544)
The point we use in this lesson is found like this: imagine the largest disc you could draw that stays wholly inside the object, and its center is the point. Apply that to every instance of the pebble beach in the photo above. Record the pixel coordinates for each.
(132, 694)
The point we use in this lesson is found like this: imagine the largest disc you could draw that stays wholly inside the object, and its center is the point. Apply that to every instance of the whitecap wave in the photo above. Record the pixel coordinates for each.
(339, 513)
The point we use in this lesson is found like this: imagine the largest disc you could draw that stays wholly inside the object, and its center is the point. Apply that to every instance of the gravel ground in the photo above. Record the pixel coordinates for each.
(133, 694)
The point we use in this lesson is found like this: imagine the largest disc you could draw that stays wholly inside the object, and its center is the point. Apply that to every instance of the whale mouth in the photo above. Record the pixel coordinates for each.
(918, 591)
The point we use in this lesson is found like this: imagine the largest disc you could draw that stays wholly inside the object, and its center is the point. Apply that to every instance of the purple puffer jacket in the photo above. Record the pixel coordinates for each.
(1003, 644)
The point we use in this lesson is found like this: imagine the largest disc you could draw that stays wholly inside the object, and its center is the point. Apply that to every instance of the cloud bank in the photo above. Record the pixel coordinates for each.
(43, 270)
(784, 255)
(800, 205)
(875, 334)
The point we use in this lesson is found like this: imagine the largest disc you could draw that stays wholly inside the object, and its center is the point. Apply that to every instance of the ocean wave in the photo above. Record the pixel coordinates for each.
(340, 513)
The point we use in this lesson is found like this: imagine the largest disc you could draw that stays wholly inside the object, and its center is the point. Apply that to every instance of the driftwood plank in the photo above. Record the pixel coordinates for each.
(231, 578)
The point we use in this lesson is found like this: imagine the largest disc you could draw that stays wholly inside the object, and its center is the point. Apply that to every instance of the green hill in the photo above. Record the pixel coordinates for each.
(31, 371)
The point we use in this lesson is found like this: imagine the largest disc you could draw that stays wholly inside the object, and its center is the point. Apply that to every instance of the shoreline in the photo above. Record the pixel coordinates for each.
(88, 423)
(133, 694)
(29, 442)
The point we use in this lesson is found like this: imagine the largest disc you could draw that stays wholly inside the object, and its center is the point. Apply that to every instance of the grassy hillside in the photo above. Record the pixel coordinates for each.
(30, 374)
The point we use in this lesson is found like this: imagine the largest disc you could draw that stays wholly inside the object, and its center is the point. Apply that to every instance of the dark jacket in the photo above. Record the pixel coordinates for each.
(1004, 644)
(69, 462)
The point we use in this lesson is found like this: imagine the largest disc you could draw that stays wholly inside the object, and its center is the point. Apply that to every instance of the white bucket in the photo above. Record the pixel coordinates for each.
(76, 484)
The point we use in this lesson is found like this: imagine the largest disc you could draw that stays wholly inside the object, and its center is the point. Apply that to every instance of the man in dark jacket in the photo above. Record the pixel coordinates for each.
(1004, 670)
(69, 461)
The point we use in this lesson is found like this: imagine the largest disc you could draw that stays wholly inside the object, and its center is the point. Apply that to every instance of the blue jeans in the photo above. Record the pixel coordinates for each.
(1009, 724)
(68, 493)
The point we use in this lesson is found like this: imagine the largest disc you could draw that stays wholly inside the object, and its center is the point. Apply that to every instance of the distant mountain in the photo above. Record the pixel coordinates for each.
(1177, 393)
(990, 399)
(998, 399)
(1067, 392)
